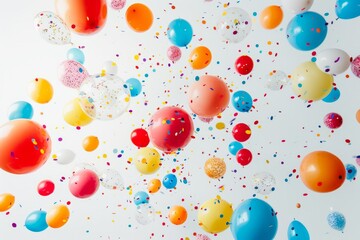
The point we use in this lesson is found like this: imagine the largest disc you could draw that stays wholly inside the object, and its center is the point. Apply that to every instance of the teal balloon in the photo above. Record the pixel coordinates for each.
(347, 9)
(306, 31)
(297, 231)
(141, 197)
(234, 147)
(169, 181)
(21, 110)
(254, 219)
(36, 221)
(76, 55)
(180, 32)
(134, 86)
(333, 96)
(336, 220)
(351, 171)
(242, 101)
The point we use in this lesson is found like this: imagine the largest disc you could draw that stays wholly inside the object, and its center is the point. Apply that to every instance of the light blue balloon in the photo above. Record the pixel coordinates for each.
(254, 219)
(180, 32)
(336, 220)
(36, 221)
(141, 197)
(134, 86)
(351, 171)
(169, 181)
(21, 109)
(306, 31)
(297, 231)
(234, 147)
(242, 101)
(76, 55)
(347, 9)
(333, 96)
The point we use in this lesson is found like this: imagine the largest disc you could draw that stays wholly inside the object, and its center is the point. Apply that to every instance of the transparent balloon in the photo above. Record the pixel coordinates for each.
(276, 80)
(264, 183)
(52, 28)
(104, 97)
(145, 214)
(64, 156)
(72, 73)
(118, 4)
(82, 166)
(111, 179)
(234, 24)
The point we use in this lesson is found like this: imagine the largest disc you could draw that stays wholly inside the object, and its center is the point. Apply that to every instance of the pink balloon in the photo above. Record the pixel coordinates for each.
(174, 53)
(202, 237)
(46, 187)
(118, 4)
(84, 183)
(355, 66)
(72, 73)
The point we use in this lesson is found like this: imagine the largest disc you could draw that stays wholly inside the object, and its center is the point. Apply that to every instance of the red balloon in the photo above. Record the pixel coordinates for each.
(139, 137)
(170, 129)
(46, 187)
(82, 16)
(84, 183)
(333, 120)
(24, 146)
(244, 156)
(244, 65)
(241, 132)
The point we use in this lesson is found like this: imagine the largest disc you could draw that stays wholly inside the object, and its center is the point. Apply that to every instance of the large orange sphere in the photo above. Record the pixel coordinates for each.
(177, 215)
(139, 17)
(322, 171)
(25, 146)
(83, 16)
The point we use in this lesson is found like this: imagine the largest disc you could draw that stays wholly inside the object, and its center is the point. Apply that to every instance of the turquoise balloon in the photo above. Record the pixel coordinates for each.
(170, 181)
(336, 220)
(36, 221)
(333, 96)
(180, 32)
(76, 55)
(347, 9)
(351, 171)
(242, 101)
(141, 197)
(134, 86)
(297, 231)
(254, 219)
(234, 147)
(306, 31)
(21, 110)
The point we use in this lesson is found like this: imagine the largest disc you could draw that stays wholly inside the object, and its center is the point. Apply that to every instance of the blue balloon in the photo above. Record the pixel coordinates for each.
(21, 109)
(141, 197)
(333, 96)
(347, 9)
(180, 32)
(76, 55)
(36, 221)
(169, 181)
(351, 171)
(242, 101)
(297, 231)
(254, 219)
(234, 147)
(336, 220)
(135, 86)
(306, 31)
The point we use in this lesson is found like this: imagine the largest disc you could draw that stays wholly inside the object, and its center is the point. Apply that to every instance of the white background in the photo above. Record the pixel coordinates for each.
(110, 214)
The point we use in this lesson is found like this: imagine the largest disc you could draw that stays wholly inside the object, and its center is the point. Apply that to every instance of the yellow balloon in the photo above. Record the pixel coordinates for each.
(40, 90)
(74, 115)
(310, 83)
(57, 216)
(7, 200)
(214, 215)
(147, 160)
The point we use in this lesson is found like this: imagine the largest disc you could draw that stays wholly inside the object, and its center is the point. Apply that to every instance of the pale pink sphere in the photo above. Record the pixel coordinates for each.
(202, 237)
(118, 4)
(355, 66)
(174, 53)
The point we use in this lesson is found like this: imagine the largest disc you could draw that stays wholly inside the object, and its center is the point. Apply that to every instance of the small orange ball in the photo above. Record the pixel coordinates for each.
(154, 185)
(90, 143)
(358, 116)
(177, 215)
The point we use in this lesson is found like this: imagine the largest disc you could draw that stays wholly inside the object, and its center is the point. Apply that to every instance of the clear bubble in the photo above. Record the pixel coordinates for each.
(83, 166)
(276, 80)
(145, 214)
(264, 183)
(111, 179)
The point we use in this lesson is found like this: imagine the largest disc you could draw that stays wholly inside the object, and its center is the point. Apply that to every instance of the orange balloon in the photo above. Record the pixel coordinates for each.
(139, 17)
(271, 17)
(322, 171)
(90, 143)
(358, 116)
(177, 215)
(24, 146)
(200, 57)
(82, 16)
(57, 216)
(7, 200)
(209, 96)
(154, 185)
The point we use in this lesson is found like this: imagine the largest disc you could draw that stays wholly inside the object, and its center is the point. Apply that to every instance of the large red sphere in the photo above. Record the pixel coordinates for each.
(170, 129)
(24, 146)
